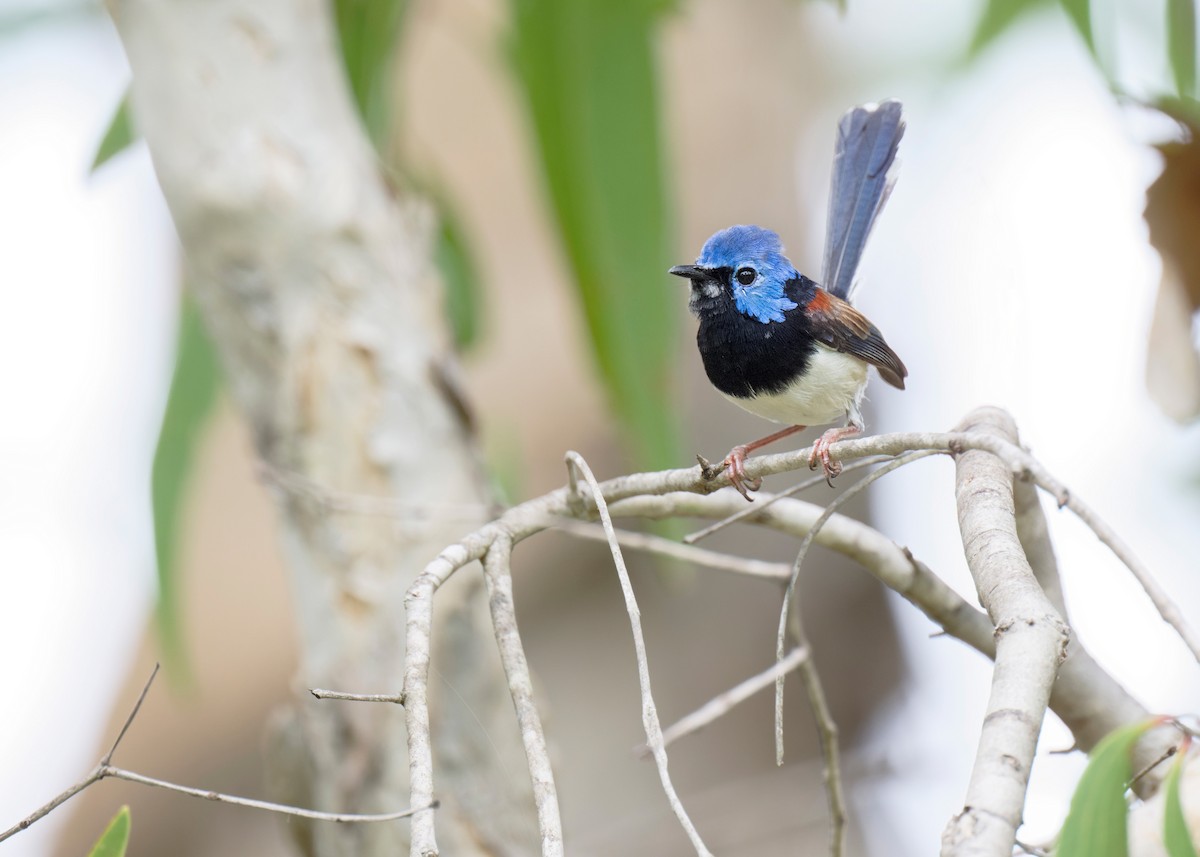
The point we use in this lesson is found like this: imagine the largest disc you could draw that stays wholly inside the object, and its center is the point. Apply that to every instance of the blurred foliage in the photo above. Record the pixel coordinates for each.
(1181, 44)
(1096, 824)
(118, 137)
(1176, 836)
(463, 296)
(115, 838)
(997, 18)
(190, 403)
(370, 31)
(587, 70)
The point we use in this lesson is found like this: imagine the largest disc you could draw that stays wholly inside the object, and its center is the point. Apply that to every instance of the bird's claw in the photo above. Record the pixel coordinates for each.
(820, 452)
(735, 465)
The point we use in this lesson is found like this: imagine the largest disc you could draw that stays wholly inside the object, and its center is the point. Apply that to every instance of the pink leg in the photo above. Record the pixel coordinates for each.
(735, 462)
(820, 450)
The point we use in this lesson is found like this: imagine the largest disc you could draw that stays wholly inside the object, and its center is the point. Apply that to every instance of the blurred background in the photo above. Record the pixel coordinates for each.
(1011, 267)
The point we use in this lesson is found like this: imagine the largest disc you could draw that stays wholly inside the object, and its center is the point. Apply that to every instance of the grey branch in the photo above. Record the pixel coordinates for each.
(394, 698)
(1089, 701)
(497, 573)
(654, 736)
(1031, 643)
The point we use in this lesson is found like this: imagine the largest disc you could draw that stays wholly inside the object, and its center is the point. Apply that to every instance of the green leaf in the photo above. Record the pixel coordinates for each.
(460, 279)
(115, 838)
(189, 404)
(1181, 44)
(1080, 13)
(998, 18)
(588, 73)
(1096, 822)
(1176, 837)
(118, 137)
(370, 31)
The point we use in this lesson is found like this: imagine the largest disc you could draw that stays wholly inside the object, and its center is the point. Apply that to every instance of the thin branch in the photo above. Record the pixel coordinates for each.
(44, 810)
(394, 698)
(751, 511)
(497, 573)
(805, 544)
(722, 704)
(268, 806)
(133, 712)
(827, 737)
(104, 770)
(674, 550)
(654, 736)
(1087, 699)
(1034, 534)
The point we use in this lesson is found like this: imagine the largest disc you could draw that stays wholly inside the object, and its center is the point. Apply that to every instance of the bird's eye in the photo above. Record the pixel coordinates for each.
(746, 276)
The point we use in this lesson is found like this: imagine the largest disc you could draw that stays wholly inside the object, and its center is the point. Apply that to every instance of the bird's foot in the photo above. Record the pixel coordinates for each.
(735, 465)
(820, 451)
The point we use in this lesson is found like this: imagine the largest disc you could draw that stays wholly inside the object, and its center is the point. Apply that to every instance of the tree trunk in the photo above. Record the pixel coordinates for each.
(315, 283)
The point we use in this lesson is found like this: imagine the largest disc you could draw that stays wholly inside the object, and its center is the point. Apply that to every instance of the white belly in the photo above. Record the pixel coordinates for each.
(830, 390)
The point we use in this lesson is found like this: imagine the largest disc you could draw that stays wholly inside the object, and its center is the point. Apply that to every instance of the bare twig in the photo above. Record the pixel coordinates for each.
(722, 704)
(394, 698)
(1166, 754)
(827, 737)
(268, 806)
(104, 770)
(1034, 535)
(654, 736)
(805, 544)
(1031, 643)
(133, 712)
(750, 511)
(674, 550)
(496, 568)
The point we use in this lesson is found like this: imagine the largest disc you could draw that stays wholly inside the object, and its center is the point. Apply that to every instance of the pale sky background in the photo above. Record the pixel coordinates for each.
(1011, 263)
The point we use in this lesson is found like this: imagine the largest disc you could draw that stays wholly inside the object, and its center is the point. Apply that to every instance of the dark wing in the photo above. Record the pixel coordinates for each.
(862, 180)
(840, 326)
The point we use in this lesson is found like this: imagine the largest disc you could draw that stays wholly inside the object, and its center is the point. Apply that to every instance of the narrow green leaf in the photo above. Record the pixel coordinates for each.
(370, 31)
(115, 838)
(1080, 13)
(1176, 836)
(1096, 822)
(189, 404)
(998, 18)
(118, 137)
(1181, 44)
(588, 73)
(460, 279)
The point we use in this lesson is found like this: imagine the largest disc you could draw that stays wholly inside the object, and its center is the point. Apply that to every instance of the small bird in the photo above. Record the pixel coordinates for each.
(775, 342)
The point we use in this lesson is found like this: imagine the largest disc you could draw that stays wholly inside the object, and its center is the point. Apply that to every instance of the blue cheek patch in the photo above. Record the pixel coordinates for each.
(763, 301)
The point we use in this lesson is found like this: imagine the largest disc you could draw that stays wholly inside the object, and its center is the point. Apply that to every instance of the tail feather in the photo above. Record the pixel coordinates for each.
(862, 181)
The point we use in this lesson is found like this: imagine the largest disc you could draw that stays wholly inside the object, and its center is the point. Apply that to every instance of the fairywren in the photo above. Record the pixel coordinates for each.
(775, 342)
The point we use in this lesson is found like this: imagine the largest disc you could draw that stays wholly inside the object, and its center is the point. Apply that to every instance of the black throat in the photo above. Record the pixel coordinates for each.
(743, 356)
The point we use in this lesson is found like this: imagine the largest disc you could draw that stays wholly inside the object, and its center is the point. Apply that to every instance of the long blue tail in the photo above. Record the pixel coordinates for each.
(862, 180)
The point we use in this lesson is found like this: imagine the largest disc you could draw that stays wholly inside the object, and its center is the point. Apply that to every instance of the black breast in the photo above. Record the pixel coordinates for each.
(743, 356)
